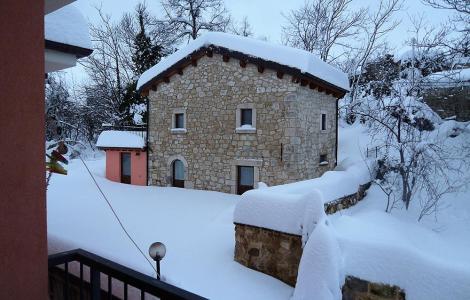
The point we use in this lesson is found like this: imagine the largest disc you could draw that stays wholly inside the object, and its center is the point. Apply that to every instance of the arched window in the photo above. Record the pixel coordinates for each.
(178, 173)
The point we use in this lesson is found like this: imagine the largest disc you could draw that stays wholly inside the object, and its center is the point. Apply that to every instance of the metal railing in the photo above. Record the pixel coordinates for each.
(140, 130)
(99, 268)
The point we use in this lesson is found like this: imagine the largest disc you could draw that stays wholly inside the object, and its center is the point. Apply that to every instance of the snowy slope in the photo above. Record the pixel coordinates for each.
(196, 227)
(428, 259)
(296, 58)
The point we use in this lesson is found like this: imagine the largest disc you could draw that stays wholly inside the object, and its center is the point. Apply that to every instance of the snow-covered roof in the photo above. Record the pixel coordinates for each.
(450, 78)
(67, 26)
(302, 60)
(120, 139)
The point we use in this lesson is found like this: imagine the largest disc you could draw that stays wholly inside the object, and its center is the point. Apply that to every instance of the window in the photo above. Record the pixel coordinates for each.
(125, 167)
(178, 173)
(246, 117)
(323, 121)
(179, 120)
(323, 159)
(246, 179)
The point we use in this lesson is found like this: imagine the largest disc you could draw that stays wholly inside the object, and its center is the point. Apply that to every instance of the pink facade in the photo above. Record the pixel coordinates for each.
(138, 165)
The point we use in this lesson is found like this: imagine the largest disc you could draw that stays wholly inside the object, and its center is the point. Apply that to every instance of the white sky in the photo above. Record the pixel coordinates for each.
(265, 16)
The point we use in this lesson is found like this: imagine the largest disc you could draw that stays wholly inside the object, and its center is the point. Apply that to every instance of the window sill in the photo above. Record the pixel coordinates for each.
(245, 130)
(178, 131)
(323, 163)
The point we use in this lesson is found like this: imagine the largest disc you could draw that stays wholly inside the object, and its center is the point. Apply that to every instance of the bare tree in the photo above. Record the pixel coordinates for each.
(320, 25)
(376, 26)
(190, 17)
(109, 68)
(416, 160)
(243, 29)
(457, 41)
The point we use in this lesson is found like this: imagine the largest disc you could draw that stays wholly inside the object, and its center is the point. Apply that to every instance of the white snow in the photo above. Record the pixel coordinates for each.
(268, 209)
(196, 227)
(429, 259)
(120, 139)
(451, 78)
(67, 26)
(296, 58)
(320, 268)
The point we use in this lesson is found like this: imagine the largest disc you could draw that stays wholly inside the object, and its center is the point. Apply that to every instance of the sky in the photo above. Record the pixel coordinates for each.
(266, 16)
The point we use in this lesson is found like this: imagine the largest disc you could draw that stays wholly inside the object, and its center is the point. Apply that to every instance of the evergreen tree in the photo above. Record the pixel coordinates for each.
(146, 53)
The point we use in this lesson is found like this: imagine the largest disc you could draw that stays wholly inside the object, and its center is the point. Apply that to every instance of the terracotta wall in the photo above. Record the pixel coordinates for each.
(23, 240)
(138, 166)
(113, 165)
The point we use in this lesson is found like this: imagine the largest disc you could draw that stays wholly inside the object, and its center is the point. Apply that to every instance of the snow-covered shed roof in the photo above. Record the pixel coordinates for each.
(293, 61)
(120, 139)
(66, 30)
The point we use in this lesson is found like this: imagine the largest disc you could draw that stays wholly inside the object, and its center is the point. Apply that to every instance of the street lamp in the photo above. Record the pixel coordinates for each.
(157, 252)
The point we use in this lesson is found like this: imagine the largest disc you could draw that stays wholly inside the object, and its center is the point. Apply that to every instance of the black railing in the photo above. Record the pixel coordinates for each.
(75, 285)
(140, 130)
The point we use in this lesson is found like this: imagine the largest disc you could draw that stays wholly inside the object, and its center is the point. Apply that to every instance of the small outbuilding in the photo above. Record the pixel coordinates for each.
(126, 156)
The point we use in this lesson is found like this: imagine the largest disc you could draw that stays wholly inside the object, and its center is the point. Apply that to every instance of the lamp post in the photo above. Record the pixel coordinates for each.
(157, 252)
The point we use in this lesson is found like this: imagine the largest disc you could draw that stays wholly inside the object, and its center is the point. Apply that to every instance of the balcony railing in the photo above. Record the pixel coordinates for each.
(79, 274)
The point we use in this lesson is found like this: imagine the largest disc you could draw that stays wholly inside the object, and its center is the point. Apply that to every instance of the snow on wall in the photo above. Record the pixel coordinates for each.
(67, 26)
(286, 207)
(332, 184)
(296, 58)
(320, 276)
(120, 139)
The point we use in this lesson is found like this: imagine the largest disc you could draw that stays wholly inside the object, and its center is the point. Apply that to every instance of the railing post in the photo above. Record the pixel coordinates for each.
(95, 284)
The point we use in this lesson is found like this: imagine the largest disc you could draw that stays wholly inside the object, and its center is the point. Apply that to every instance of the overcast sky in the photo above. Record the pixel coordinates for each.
(266, 16)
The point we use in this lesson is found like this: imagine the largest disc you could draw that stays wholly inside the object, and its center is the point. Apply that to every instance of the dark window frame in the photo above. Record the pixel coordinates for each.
(246, 119)
(179, 118)
(126, 178)
(177, 182)
(243, 188)
(323, 121)
(323, 158)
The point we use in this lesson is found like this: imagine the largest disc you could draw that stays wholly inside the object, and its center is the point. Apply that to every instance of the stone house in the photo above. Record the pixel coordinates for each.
(227, 112)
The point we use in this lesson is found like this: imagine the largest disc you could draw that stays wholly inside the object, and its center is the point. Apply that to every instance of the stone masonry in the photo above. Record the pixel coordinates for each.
(285, 147)
(277, 253)
(271, 252)
(358, 289)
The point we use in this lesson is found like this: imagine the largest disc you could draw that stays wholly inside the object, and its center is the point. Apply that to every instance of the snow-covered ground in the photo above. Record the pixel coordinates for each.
(429, 259)
(196, 227)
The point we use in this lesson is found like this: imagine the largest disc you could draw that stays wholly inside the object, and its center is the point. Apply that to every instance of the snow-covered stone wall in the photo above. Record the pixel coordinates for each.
(284, 147)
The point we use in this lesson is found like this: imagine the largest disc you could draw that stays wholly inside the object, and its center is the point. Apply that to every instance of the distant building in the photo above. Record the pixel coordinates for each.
(227, 112)
(126, 156)
(448, 93)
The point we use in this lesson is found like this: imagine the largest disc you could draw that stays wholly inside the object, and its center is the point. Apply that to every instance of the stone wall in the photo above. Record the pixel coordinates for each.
(449, 102)
(271, 252)
(347, 201)
(358, 289)
(277, 253)
(285, 147)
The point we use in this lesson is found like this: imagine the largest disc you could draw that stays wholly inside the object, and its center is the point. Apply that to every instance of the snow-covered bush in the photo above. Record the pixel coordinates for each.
(415, 161)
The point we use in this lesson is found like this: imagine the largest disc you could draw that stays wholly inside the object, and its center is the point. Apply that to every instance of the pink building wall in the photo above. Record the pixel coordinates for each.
(138, 166)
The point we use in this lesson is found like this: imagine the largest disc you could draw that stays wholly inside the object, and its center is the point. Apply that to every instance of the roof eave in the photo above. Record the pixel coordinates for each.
(79, 52)
(242, 56)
